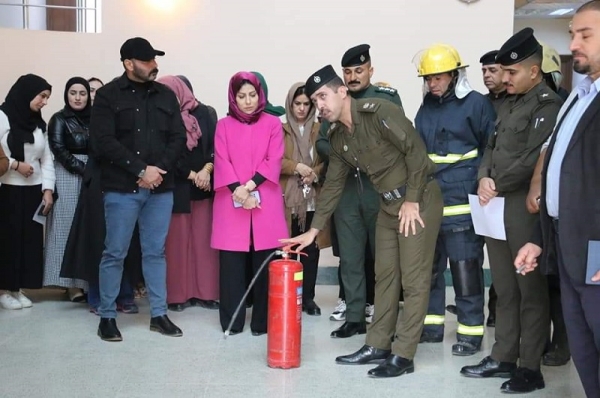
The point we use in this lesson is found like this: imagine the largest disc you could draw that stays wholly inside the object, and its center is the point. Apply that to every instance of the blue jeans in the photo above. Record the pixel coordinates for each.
(153, 214)
(125, 294)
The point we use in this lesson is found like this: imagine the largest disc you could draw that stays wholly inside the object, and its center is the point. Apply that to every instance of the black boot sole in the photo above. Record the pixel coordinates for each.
(370, 361)
(535, 388)
(349, 335)
(501, 375)
(404, 372)
(463, 353)
(159, 330)
(113, 339)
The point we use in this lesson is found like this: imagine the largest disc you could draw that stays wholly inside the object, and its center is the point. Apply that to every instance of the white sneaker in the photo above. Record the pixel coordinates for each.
(8, 302)
(369, 312)
(339, 313)
(25, 302)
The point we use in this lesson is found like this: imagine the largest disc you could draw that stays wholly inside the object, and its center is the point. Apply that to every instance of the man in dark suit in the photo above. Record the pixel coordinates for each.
(569, 221)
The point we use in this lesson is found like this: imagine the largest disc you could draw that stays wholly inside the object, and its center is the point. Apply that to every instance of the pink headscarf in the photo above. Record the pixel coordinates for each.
(234, 86)
(187, 103)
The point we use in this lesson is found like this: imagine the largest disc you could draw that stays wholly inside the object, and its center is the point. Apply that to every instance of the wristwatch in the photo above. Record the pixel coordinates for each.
(141, 173)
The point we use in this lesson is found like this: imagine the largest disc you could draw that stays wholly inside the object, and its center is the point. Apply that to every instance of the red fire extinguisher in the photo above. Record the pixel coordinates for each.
(285, 312)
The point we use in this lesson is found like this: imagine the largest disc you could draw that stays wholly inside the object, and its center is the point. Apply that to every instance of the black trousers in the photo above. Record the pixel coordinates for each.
(21, 238)
(559, 341)
(232, 284)
(493, 299)
(582, 319)
(310, 262)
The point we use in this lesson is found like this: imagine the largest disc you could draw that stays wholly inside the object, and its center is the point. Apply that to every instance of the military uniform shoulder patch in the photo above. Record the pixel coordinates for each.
(332, 127)
(368, 106)
(546, 95)
(387, 90)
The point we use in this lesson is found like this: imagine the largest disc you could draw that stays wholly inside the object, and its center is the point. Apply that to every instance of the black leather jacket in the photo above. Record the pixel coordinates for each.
(68, 135)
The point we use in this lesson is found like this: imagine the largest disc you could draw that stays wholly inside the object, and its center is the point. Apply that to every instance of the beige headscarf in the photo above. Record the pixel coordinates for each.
(293, 195)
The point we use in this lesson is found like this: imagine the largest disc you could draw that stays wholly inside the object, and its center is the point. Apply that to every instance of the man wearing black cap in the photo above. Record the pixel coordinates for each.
(355, 217)
(525, 121)
(492, 78)
(374, 137)
(137, 135)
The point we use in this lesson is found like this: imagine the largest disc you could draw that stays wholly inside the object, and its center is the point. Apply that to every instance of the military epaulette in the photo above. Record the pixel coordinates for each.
(388, 90)
(332, 127)
(546, 95)
(369, 107)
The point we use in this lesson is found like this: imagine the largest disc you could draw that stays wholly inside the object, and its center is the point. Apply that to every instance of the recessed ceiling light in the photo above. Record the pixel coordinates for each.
(561, 11)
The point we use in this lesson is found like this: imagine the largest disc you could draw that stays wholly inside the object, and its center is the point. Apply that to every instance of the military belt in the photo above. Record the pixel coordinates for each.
(399, 193)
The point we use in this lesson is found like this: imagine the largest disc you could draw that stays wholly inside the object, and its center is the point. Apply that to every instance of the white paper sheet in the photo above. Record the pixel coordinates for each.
(488, 220)
(37, 216)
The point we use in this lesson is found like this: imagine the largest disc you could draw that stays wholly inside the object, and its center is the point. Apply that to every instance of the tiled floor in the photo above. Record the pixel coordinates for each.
(52, 350)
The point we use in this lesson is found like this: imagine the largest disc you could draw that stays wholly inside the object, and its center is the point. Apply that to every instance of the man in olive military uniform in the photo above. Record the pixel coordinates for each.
(492, 78)
(355, 217)
(374, 137)
(525, 121)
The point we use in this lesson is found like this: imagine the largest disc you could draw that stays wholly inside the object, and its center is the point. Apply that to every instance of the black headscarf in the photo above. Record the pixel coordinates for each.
(83, 114)
(23, 121)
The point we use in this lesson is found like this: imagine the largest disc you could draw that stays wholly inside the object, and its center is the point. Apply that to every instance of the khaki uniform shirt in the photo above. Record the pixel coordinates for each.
(385, 146)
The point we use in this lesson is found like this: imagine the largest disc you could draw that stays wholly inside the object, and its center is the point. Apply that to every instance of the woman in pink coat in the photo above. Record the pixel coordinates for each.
(248, 211)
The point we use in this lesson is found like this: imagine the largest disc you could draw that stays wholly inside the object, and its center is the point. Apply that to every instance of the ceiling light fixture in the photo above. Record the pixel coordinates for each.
(561, 11)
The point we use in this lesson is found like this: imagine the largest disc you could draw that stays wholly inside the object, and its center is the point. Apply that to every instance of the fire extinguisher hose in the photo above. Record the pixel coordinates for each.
(243, 301)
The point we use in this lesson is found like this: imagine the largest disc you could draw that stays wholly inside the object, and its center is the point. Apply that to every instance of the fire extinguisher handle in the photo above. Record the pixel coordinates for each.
(287, 250)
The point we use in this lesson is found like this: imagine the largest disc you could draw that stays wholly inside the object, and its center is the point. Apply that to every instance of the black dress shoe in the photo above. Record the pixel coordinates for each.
(311, 308)
(554, 358)
(349, 329)
(451, 309)
(491, 321)
(162, 324)
(431, 338)
(366, 354)
(177, 307)
(393, 366)
(233, 332)
(258, 332)
(465, 348)
(523, 381)
(489, 367)
(108, 331)
(208, 304)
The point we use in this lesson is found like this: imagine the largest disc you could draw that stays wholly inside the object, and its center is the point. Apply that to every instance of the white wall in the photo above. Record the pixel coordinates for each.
(554, 32)
(210, 40)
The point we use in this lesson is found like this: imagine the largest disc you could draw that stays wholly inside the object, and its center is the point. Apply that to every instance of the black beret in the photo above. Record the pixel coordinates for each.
(519, 47)
(319, 79)
(356, 56)
(488, 58)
